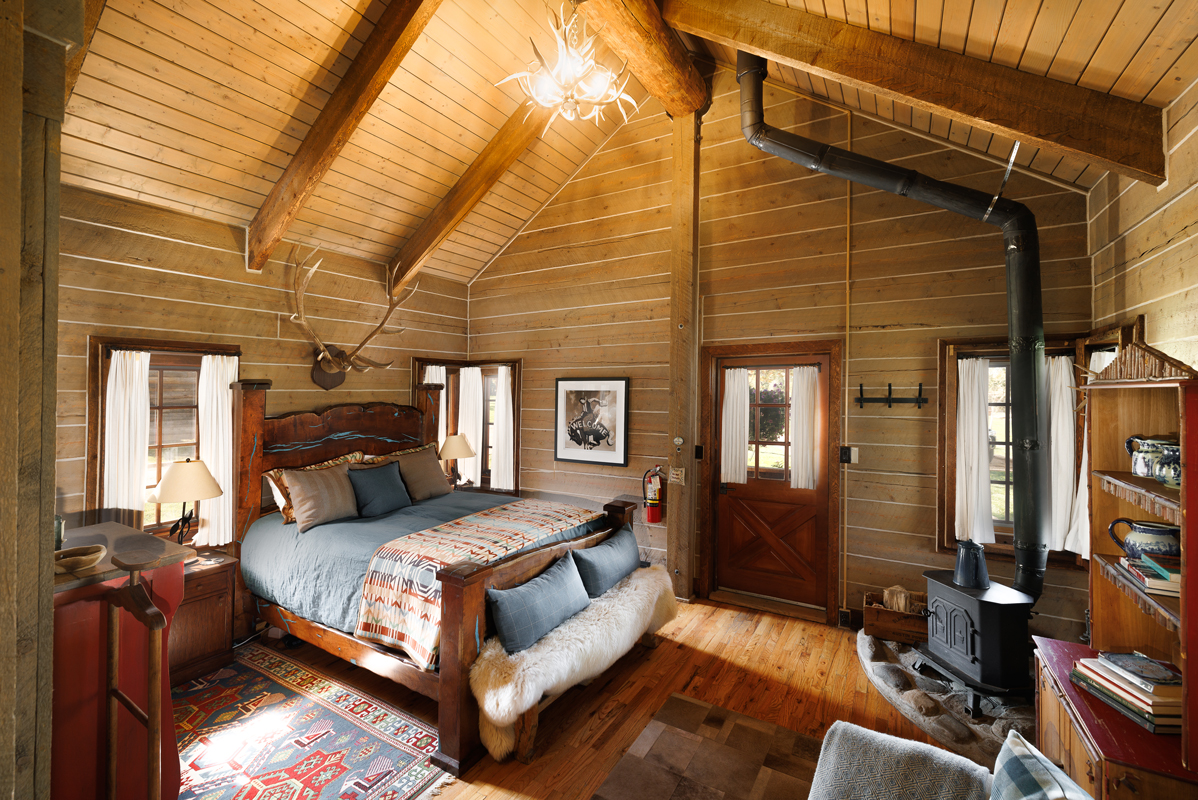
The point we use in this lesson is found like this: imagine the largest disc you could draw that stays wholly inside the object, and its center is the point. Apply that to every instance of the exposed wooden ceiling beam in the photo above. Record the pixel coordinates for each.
(397, 30)
(92, 9)
(635, 32)
(521, 129)
(1111, 132)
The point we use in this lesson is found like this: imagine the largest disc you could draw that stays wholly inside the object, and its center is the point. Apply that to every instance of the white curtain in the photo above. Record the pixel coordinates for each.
(974, 517)
(470, 420)
(1062, 430)
(216, 447)
(1077, 539)
(503, 471)
(435, 373)
(734, 428)
(803, 413)
(126, 430)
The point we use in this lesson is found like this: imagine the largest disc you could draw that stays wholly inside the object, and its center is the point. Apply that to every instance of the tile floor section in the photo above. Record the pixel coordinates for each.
(692, 750)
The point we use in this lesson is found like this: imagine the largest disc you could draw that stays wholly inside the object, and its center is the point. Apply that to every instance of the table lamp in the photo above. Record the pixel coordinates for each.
(185, 482)
(455, 447)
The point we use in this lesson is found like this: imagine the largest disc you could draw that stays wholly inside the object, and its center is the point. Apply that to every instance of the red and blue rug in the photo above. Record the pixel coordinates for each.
(269, 728)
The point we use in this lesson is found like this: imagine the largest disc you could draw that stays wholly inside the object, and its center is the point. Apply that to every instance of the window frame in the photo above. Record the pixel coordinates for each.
(99, 359)
(453, 384)
(950, 351)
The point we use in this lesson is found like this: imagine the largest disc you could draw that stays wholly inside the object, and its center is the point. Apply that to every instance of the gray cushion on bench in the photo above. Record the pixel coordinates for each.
(526, 613)
(603, 566)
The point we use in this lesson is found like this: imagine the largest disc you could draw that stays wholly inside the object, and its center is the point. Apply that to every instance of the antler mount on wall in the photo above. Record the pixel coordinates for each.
(331, 363)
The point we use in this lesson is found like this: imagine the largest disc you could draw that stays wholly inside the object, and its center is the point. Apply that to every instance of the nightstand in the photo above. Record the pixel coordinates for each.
(202, 632)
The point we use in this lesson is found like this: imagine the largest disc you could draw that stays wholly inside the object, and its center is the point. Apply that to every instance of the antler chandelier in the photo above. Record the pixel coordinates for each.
(577, 87)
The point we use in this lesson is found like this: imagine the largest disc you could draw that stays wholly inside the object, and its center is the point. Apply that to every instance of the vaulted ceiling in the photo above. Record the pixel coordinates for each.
(200, 106)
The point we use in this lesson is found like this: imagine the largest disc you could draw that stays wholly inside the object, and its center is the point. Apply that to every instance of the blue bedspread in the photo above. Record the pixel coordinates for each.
(318, 574)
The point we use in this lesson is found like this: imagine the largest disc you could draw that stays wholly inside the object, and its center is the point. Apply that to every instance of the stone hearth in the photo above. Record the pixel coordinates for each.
(939, 706)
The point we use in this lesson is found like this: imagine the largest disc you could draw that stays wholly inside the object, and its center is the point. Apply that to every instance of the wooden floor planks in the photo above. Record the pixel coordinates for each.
(794, 673)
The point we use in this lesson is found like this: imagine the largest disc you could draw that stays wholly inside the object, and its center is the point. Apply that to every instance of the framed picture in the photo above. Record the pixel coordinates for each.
(591, 421)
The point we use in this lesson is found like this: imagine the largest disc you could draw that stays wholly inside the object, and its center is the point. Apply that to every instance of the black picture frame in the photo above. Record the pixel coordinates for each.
(590, 421)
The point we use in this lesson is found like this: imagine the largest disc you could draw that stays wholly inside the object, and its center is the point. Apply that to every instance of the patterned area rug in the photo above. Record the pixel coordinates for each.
(269, 728)
(693, 750)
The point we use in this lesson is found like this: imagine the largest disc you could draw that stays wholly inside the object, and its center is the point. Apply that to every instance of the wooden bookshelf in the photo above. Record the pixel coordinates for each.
(1143, 392)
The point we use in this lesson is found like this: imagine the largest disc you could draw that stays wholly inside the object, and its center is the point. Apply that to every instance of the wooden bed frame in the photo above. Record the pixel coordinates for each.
(293, 440)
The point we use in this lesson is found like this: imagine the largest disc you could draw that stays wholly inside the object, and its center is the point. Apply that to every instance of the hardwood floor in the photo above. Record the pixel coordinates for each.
(799, 674)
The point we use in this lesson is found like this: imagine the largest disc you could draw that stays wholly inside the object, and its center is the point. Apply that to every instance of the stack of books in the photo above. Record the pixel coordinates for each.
(1157, 574)
(1142, 689)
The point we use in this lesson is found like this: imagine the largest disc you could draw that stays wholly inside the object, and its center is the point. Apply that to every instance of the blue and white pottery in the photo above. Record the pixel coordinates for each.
(1145, 451)
(1167, 468)
(1153, 538)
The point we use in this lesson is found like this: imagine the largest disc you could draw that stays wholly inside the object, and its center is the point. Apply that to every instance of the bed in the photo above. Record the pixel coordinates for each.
(294, 440)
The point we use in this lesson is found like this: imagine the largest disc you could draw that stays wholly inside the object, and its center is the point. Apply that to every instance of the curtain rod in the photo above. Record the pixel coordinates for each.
(818, 366)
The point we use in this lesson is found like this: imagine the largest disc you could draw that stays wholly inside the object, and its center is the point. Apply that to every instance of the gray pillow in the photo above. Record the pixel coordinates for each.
(321, 495)
(603, 566)
(525, 613)
(378, 490)
(1022, 772)
(422, 475)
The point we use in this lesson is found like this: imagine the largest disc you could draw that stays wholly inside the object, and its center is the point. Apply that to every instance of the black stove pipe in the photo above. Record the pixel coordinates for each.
(1025, 316)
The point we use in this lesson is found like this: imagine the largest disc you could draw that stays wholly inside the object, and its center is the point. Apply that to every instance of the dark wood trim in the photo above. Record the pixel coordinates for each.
(710, 358)
(99, 349)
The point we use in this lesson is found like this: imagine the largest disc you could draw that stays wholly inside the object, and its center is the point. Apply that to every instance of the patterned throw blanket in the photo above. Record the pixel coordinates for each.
(401, 596)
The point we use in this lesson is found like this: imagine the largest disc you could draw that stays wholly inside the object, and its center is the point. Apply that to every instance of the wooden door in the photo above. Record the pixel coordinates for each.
(772, 540)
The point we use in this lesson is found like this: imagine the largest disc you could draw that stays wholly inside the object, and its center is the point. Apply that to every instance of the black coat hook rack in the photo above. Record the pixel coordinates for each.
(889, 399)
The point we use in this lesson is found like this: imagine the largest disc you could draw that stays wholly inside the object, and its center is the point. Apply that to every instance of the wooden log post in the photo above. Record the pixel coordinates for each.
(463, 626)
(428, 401)
(684, 355)
(249, 403)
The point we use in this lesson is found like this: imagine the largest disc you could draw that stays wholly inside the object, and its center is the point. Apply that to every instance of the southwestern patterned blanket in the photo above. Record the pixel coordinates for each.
(401, 596)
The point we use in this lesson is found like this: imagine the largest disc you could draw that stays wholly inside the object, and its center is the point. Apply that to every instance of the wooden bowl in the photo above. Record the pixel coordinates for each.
(74, 559)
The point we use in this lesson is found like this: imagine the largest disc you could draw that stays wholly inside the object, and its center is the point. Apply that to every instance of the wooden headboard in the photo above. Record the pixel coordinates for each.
(264, 443)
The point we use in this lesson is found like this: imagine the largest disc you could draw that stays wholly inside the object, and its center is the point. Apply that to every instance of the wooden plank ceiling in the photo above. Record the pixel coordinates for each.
(1146, 52)
(199, 105)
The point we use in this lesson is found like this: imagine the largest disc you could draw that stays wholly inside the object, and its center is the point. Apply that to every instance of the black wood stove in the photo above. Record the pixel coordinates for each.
(980, 635)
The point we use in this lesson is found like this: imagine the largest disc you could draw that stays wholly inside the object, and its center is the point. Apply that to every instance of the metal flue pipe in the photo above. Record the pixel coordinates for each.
(1025, 316)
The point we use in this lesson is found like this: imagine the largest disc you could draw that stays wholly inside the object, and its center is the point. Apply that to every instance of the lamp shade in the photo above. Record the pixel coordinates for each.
(456, 446)
(185, 482)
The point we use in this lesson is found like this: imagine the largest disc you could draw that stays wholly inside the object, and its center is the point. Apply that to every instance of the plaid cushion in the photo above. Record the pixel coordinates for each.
(278, 486)
(526, 613)
(320, 495)
(1022, 771)
(603, 566)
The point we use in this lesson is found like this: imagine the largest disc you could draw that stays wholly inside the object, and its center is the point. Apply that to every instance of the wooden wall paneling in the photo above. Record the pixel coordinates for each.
(183, 278)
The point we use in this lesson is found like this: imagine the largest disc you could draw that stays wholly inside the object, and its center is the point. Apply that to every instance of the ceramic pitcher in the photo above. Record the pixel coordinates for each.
(1154, 538)
(1145, 451)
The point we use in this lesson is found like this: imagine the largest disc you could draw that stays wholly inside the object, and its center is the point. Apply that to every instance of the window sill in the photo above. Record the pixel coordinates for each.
(1004, 553)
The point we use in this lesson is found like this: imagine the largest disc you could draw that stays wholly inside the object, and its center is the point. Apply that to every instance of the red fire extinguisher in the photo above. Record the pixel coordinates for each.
(651, 491)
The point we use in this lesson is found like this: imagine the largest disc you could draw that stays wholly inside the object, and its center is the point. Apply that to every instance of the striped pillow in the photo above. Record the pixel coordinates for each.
(278, 486)
(321, 495)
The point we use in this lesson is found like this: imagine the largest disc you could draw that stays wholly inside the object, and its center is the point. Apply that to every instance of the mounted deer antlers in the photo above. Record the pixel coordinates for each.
(333, 360)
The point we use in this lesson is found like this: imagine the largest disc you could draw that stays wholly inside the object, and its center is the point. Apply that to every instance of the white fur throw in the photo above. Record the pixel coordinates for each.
(579, 649)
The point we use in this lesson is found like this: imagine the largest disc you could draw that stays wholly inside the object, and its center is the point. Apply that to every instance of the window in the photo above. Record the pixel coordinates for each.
(1000, 445)
(173, 391)
(999, 398)
(485, 447)
(174, 427)
(769, 420)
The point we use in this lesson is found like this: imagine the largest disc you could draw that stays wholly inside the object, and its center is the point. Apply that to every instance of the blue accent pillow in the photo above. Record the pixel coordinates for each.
(527, 612)
(379, 490)
(603, 566)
